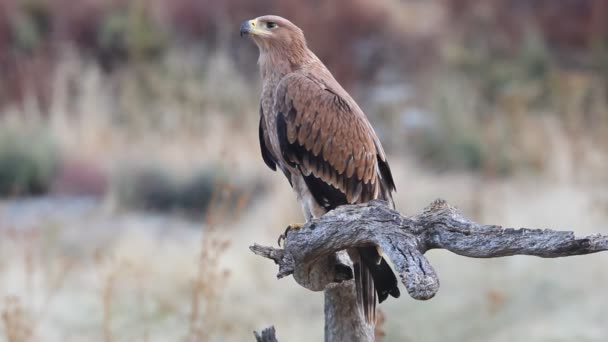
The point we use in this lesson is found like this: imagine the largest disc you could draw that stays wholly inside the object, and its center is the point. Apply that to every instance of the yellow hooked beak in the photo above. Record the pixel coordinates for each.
(252, 27)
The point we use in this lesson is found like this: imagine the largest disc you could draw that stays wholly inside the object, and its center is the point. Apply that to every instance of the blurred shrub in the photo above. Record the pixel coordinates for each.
(156, 189)
(527, 69)
(28, 163)
(452, 138)
(567, 26)
(128, 33)
(463, 128)
(448, 150)
(31, 27)
(80, 176)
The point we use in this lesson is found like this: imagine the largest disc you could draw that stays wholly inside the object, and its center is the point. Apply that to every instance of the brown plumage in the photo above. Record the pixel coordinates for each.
(316, 134)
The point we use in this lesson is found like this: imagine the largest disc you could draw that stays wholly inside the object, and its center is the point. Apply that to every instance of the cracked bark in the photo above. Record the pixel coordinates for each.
(309, 253)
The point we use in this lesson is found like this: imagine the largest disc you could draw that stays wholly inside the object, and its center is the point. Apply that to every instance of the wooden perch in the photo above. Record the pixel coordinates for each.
(309, 252)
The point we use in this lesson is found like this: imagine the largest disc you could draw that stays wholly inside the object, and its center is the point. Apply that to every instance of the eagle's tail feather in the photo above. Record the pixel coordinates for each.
(365, 292)
(373, 272)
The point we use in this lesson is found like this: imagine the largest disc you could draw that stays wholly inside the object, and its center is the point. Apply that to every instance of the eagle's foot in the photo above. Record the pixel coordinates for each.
(292, 226)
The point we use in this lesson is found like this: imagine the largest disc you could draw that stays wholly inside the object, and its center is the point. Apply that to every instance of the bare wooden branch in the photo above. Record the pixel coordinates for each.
(309, 252)
(405, 240)
(267, 335)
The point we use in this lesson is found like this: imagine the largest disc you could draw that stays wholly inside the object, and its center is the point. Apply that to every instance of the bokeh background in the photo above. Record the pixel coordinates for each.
(131, 181)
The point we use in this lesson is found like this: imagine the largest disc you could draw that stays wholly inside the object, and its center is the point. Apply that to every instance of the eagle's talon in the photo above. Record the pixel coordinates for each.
(292, 226)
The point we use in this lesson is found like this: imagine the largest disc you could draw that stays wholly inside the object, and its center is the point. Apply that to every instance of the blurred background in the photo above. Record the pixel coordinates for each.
(131, 181)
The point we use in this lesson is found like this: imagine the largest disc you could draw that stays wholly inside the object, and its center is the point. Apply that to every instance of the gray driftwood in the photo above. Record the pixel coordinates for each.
(309, 253)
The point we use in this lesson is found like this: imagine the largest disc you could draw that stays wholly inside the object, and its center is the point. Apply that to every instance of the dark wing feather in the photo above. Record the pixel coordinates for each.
(264, 143)
(268, 156)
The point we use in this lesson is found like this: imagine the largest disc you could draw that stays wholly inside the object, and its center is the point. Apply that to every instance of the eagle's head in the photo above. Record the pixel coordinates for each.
(274, 34)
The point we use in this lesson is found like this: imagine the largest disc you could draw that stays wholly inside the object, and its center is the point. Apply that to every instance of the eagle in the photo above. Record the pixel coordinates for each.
(315, 133)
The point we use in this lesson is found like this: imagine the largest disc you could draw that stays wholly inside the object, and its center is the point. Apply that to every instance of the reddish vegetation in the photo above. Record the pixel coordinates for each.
(569, 24)
(34, 32)
(80, 177)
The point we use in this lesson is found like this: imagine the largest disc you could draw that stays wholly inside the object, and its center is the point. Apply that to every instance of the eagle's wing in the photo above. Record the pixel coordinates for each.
(327, 137)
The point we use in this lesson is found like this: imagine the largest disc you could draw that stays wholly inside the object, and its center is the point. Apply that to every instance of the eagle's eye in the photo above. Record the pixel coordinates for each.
(271, 25)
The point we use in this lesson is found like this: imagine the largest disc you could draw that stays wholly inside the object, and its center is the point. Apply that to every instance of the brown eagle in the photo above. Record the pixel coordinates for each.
(316, 134)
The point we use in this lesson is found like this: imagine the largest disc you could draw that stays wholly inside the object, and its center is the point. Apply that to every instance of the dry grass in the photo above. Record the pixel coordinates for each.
(129, 276)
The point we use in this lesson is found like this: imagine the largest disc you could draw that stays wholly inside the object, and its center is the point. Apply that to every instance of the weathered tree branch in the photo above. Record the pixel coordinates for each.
(309, 252)
(404, 240)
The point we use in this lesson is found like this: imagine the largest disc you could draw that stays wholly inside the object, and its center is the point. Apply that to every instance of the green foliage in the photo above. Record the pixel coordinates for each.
(453, 150)
(131, 32)
(499, 73)
(28, 163)
(31, 26)
(464, 132)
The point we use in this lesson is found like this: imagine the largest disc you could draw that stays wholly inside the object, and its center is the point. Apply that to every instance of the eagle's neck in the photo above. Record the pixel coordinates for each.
(270, 68)
(280, 61)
